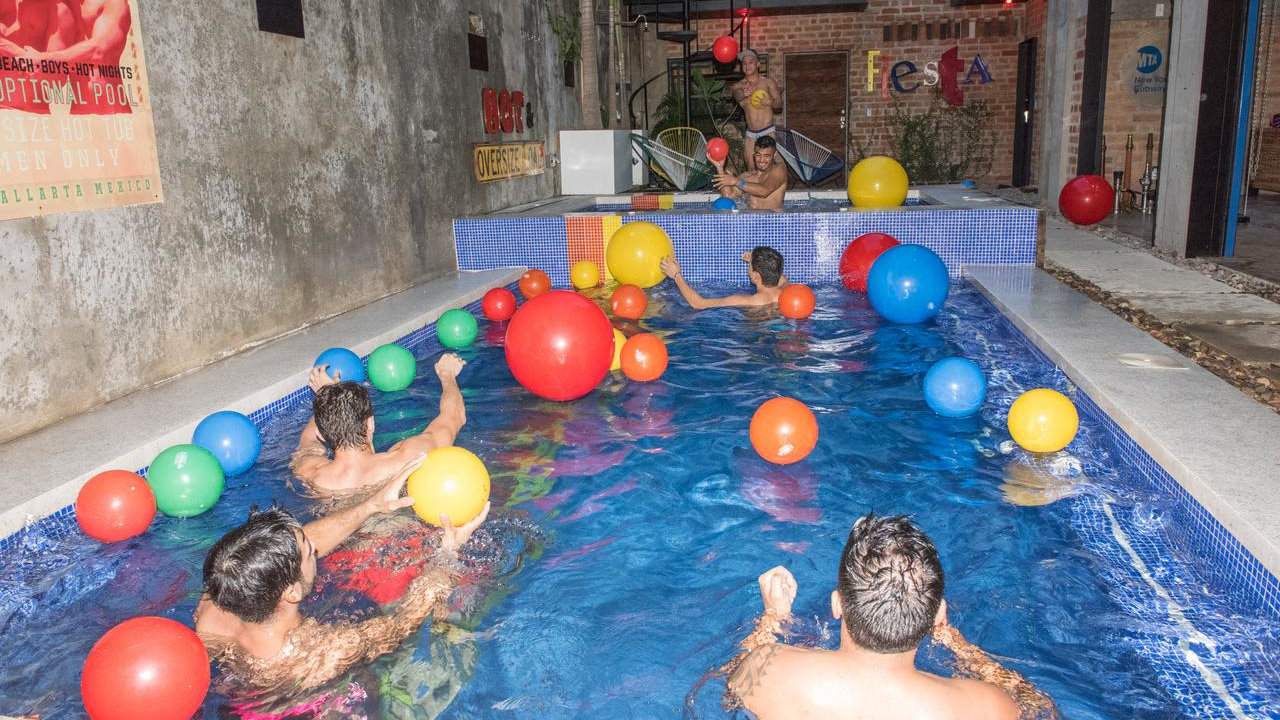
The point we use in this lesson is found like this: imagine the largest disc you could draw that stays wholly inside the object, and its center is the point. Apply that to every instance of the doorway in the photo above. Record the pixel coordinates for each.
(1024, 109)
(819, 109)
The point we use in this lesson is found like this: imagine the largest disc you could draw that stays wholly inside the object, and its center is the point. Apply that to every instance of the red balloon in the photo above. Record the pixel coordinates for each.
(725, 49)
(644, 357)
(856, 261)
(783, 431)
(534, 283)
(115, 505)
(1086, 200)
(499, 304)
(717, 149)
(796, 301)
(559, 345)
(629, 302)
(147, 667)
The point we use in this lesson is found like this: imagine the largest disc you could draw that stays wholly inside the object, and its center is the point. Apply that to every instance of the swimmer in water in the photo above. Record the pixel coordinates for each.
(764, 185)
(257, 575)
(764, 267)
(342, 424)
(888, 597)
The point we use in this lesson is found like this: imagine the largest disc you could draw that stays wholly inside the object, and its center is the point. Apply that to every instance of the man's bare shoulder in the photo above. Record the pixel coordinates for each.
(979, 699)
(770, 672)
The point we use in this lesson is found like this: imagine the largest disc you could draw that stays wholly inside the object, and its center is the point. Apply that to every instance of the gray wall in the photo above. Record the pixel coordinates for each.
(302, 178)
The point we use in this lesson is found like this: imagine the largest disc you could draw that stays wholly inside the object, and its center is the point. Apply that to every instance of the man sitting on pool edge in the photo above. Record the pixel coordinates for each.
(342, 423)
(257, 575)
(764, 185)
(888, 597)
(764, 267)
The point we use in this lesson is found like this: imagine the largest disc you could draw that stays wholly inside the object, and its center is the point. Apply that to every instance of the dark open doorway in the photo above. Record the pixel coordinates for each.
(1024, 109)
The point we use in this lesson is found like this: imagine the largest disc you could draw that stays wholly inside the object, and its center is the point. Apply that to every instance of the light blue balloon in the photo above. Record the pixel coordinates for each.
(232, 438)
(723, 203)
(342, 361)
(955, 387)
(908, 284)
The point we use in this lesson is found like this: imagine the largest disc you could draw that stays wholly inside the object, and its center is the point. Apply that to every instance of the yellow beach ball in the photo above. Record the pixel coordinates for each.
(585, 274)
(877, 182)
(634, 252)
(451, 481)
(1043, 420)
(760, 98)
(618, 341)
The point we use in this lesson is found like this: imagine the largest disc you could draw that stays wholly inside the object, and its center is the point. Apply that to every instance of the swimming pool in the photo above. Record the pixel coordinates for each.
(621, 563)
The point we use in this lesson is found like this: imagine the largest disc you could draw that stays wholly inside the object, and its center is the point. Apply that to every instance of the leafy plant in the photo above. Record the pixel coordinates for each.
(944, 143)
(712, 111)
(568, 36)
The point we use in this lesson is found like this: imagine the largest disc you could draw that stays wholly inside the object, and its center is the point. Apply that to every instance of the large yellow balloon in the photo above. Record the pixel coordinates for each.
(635, 251)
(585, 274)
(1043, 420)
(618, 341)
(451, 481)
(877, 182)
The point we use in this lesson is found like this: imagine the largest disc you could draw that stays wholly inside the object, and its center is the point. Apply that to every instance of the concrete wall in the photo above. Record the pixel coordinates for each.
(302, 178)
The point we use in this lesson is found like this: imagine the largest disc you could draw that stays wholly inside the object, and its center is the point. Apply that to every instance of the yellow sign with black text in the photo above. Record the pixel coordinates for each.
(501, 161)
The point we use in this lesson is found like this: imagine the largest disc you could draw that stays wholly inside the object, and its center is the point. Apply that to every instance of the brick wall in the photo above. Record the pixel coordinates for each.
(1131, 105)
(990, 30)
(1077, 90)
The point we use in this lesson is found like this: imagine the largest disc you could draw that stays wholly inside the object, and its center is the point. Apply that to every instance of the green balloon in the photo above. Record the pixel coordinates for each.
(456, 329)
(186, 480)
(392, 368)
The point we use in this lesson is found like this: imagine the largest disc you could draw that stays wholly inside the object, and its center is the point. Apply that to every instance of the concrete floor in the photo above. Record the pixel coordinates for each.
(1258, 241)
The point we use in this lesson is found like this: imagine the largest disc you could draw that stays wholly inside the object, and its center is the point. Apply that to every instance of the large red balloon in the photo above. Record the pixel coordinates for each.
(1086, 200)
(725, 49)
(559, 345)
(856, 261)
(796, 301)
(533, 283)
(499, 304)
(717, 149)
(629, 302)
(115, 505)
(783, 431)
(644, 357)
(147, 667)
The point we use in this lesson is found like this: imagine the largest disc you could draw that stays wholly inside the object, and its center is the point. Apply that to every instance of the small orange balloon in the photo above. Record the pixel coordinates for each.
(533, 283)
(796, 301)
(629, 302)
(644, 357)
(783, 431)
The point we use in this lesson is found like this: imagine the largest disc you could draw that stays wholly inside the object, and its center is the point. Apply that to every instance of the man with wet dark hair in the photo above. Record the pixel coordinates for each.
(335, 454)
(888, 597)
(764, 184)
(764, 267)
(257, 575)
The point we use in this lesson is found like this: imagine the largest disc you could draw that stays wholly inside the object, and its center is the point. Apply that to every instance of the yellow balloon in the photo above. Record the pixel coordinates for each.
(618, 341)
(1043, 420)
(451, 481)
(759, 98)
(877, 182)
(634, 252)
(585, 274)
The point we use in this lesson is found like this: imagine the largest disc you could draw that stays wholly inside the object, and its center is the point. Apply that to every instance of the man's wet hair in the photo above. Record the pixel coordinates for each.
(890, 584)
(766, 142)
(248, 570)
(767, 262)
(341, 411)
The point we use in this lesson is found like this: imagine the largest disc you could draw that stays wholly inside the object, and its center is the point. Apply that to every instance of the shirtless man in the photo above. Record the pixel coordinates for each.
(888, 596)
(759, 97)
(342, 423)
(764, 267)
(764, 185)
(256, 576)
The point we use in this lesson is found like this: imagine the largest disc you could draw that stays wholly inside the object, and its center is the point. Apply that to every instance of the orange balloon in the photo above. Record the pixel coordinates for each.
(629, 302)
(533, 283)
(796, 301)
(644, 357)
(784, 431)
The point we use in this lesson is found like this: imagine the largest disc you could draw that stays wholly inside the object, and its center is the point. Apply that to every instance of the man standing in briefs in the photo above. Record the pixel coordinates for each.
(759, 97)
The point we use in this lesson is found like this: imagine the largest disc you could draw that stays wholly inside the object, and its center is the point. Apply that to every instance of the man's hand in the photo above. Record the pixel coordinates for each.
(449, 366)
(778, 591)
(724, 180)
(455, 538)
(387, 498)
(319, 378)
(670, 267)
(746, 257)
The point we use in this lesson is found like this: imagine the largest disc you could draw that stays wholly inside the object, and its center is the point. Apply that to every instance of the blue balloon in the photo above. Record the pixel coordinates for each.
(342, 361)
(907, 284)
(723, 203)
(232, 438)
(955, 387)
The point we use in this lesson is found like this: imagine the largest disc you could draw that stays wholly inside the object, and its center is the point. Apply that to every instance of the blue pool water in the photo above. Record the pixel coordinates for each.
(618, 568)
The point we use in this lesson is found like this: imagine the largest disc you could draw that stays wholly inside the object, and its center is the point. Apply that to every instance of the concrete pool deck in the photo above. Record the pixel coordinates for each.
(43, 471)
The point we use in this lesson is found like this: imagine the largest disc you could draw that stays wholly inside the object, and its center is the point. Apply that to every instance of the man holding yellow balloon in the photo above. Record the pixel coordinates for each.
(759, 97)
